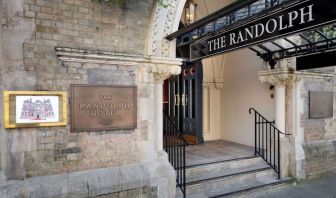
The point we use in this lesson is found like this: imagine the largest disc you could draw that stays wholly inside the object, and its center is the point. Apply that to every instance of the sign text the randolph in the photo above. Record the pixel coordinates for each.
(295, 18)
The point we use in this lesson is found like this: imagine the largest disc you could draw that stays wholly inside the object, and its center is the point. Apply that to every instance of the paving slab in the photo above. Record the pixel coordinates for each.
(321, 188)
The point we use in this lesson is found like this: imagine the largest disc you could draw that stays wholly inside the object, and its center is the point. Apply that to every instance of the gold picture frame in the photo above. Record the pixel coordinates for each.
(10, 108)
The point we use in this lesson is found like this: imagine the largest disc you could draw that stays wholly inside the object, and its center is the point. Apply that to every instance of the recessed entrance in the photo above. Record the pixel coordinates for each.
(216, 151)
(237, 110)
(184, 94)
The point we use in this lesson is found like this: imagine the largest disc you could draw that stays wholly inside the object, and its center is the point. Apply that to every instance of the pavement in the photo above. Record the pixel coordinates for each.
(321, 188)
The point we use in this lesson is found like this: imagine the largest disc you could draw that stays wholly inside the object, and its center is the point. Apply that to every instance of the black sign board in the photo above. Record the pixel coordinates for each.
(325, 59)
(301, 16)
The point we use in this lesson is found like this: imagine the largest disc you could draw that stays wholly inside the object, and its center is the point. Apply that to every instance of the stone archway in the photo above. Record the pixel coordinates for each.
(162, 54)
(170, 18)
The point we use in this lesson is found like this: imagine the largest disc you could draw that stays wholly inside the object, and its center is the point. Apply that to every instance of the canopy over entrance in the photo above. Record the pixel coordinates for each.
(274, 29)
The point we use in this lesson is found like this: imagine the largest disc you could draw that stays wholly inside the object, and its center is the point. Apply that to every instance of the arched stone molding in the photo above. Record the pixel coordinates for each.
(213, 82)
(164, 22)
(213, 73)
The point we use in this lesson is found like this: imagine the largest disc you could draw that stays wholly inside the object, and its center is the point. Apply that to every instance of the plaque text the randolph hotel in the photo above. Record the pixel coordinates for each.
(102, 108)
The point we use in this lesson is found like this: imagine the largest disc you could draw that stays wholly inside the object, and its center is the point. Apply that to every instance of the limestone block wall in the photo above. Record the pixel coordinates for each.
(31, 30)
(314, 129)
(319, 144)
(59, 150)
(85, 24)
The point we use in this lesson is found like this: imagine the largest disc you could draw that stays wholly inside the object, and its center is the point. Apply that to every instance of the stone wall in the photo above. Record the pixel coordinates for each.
(59, 150)
(134, 193)
(31, 32)
(320, 158)
(319, 144)
(80, 24)
(314, 129)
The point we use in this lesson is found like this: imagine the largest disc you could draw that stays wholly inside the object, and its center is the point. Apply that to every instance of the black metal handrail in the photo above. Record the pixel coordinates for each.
(174, 145)
(267, 141)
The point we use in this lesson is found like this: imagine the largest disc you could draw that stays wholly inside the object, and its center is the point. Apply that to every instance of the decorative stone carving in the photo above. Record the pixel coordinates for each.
(170, 17)
(278, 77)
(287, 76)
(163, 72)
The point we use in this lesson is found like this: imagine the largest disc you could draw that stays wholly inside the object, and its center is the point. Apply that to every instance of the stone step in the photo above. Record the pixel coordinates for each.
(229, 184)
(2, 177)
(256, 191)
(224, 168)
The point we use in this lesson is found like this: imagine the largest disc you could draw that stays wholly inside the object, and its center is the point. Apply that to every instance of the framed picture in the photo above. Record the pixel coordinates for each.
(34, 109)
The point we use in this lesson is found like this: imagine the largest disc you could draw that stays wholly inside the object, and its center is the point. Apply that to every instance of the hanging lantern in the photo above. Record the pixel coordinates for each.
(190, 12)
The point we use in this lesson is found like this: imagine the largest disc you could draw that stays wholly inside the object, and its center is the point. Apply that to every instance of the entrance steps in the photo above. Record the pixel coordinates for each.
(232, 178)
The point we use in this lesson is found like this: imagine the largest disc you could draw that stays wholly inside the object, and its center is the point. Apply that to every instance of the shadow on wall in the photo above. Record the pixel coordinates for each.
(243, 90)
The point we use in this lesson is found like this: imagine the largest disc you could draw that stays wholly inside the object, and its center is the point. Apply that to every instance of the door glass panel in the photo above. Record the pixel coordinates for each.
(185, 99)
(171, 98)
(193, 98)
(176, 99)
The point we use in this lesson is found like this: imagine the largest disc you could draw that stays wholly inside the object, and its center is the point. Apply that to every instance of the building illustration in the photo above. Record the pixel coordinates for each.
(37, 110)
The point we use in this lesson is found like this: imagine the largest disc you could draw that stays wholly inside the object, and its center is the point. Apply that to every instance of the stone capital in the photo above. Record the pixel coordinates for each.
(162, 72)
(288, 76)
(219, 83)
(278, 77)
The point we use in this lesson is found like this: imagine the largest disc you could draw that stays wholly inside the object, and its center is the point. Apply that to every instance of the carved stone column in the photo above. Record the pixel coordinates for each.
(160, 72)
(280, 79)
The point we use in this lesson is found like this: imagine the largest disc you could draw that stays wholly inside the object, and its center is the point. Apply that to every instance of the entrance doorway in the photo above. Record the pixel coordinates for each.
(185, 101)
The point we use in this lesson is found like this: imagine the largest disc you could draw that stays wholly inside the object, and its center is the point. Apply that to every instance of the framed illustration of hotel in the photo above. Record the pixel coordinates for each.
(35, 108)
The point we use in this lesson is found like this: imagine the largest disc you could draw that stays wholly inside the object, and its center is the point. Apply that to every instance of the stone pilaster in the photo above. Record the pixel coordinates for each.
(281, 78)
(160, 72)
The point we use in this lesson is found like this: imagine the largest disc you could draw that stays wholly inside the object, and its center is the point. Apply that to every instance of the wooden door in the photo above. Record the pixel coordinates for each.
(185, 102)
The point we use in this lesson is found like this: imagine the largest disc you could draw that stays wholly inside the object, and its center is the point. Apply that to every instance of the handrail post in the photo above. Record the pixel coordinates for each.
(279, 157)
(184, 173)
(260, 125)
(175, 148)
(255, 133)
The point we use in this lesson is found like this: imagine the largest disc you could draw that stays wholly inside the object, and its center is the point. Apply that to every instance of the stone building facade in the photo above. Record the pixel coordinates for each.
(309, 151)
(49, 45)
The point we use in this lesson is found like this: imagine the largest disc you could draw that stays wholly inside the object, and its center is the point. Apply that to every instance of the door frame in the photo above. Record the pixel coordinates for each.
(176, 90)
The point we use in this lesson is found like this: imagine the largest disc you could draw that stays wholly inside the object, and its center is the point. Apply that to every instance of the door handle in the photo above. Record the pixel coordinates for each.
(184, 100)
(176, 100)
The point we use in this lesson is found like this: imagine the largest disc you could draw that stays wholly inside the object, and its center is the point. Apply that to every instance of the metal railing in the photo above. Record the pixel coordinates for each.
(174, 145)
(267, 141)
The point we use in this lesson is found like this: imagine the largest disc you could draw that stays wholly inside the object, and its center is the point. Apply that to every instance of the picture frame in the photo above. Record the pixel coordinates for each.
(23, 109)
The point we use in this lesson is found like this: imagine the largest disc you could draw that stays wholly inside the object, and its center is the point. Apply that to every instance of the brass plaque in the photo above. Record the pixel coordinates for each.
(320, 104)
(103, 108)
